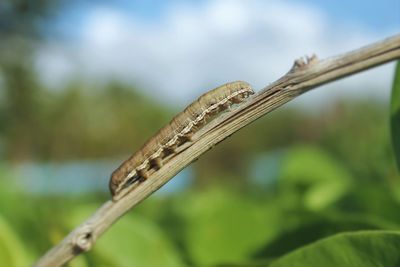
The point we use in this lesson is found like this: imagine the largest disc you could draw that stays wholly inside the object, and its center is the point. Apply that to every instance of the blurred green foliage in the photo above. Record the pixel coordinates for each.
(212, 226)
(330, 174)
(395, 114)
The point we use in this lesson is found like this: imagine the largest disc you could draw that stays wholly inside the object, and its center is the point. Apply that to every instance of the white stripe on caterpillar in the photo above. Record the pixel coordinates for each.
(174, 134)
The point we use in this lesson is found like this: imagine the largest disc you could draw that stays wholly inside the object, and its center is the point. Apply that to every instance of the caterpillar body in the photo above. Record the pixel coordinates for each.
(178, 132)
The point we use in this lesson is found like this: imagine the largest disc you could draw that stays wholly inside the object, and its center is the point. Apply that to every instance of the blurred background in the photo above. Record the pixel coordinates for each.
(83, 84)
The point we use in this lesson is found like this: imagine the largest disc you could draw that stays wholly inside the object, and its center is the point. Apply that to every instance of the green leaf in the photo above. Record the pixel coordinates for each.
(12, 251)
(356, 249)
(317, 228)
(315, 176)
(395, 114)
(223, 227)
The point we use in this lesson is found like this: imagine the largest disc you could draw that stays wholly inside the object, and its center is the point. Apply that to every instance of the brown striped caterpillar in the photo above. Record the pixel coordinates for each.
(176, 133)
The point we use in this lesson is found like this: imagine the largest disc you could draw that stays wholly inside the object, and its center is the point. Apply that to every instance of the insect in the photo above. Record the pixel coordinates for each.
(178, 132)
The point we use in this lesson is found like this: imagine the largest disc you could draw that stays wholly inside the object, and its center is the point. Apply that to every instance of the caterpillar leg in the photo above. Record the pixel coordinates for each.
(142, 174)
(156, 162)
(132, 180)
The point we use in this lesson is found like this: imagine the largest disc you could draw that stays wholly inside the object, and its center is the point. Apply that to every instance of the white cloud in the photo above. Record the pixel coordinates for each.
(195, 47)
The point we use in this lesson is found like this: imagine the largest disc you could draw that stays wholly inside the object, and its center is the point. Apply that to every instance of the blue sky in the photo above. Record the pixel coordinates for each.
(375, 14)
(177, 49)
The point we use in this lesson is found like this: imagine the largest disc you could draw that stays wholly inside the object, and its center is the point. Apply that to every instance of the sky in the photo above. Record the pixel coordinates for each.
(176, 50)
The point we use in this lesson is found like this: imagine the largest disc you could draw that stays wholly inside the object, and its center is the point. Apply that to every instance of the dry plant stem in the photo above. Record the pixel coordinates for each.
(305, 75)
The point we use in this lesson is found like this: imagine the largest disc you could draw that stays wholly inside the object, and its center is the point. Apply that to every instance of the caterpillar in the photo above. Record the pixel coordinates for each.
(178, 132)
